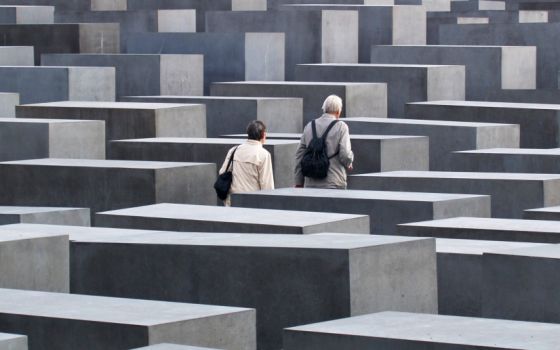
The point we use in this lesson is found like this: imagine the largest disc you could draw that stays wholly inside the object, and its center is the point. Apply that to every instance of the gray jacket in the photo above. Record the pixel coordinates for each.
(338, 140)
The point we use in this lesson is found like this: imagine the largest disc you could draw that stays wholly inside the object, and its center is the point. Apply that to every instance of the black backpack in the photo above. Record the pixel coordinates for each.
(315, 162)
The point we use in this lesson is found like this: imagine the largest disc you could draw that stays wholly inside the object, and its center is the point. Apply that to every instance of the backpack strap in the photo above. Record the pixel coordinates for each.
(324, 137)
(314, 129)
(230, 163)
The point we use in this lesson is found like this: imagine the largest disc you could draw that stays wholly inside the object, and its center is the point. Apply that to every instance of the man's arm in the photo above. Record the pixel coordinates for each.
(266, 177)
(299, 179)
(345, 154)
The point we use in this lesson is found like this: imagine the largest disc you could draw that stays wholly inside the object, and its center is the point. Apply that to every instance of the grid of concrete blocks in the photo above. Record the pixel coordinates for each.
(115, 116)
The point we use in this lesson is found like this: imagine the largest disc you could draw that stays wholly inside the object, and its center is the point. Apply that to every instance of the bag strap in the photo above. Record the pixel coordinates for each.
(230, 163)
(314, 129)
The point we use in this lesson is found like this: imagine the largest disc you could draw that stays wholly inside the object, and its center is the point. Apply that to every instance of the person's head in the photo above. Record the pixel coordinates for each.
(333, 105)
(256, 130)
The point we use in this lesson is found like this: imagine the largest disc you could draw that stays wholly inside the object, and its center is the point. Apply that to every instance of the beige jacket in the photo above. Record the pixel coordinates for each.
(338, 140)
(252, 169)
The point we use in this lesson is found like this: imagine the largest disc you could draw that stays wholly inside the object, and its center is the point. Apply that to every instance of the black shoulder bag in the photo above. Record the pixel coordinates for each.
(223, 182)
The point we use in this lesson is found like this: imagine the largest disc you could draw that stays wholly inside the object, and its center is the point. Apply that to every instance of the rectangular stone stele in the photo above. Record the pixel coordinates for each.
(44, 215)
(491, 229)
(547, 213)
(460, 280)
(8, 103)
(13, 341)
(206, 150)
(385, 209)
(51, 138)
(127, 120)
(511, 160)
(167, 346)
(511, 193)
(114, 323)
(398, 330)
(276, 274)
(16, 56)
(34, 261)
(519, 284)
(193, 218)
(13, 14)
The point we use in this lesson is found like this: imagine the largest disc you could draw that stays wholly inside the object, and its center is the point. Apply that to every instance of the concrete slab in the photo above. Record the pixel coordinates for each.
(34, 261)
(226, 115)
(205, 150)
(143, 74)
(16, 56)
(360, 100)
(167, 346)
(199, 218)
(491, 229)
(104, 184)
(510, 160)
(445, 137)
(548, 213)
(44, 215)
(396, 330)
(8, 103)
(385, 209)
(51, 138)
(127, 120)
(11, 14)
(405, 83)
(46, 84)
(115, 323)
(511, 192)
(13, 341)
(538, 122)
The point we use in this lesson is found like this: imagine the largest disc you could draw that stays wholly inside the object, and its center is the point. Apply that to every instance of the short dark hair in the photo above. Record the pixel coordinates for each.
(256, 130)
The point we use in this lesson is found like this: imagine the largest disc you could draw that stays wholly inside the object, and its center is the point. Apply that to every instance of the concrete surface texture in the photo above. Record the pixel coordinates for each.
(13, 341)
(44, 215)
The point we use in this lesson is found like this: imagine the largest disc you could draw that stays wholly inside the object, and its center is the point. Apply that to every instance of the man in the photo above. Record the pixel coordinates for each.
(252, 164)
(338, 148)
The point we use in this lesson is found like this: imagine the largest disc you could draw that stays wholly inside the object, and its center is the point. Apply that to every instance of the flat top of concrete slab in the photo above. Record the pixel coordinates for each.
(425, 122)
(110, 105)
(359, 194)
(10, 236)
(491, 224)
(6, 336)
(521, 151)
(428, 328)
(230, 214)
(458, 46)
(477, 247)
(379, 65)
(167, 346)
(14, 48)
(46, 121)
(546, 251)
(103, 309)
(555, 209)
(463, 175)
(5, 210)
(199, 140)
(216, 98)
(294, 83)
(541, 106)
(272, 136)
(102, 163)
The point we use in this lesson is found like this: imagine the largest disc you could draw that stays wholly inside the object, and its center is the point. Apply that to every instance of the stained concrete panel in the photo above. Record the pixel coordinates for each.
(200, 218)
(511, 192)
(16, 56)
(115, 323)
(8, 103)
(385, 209)
(397, 330)
(44, 215)
(34, 261)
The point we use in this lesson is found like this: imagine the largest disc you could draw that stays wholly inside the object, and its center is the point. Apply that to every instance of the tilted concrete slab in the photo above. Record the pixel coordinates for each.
(44, 215)
(385, 209)
(511, 192)
(182, 217)
(548, 213)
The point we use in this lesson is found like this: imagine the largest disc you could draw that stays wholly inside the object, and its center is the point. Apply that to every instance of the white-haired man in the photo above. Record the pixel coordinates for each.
(338, 149)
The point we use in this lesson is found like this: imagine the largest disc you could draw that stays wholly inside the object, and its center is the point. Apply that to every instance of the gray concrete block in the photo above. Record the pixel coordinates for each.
(113, 323)
(34, 261)
(104, 184)
(16, 56)
(44, 215)
(359, 99)
(487, 67)
(520, 284)
(176, 21)
(26, 14)
(510, 160)
(445, 137)
(46, 84)
(226, 115)
(459, 268)
(514, 230)
(380, 25)
(63, 38)
(385, 209)
(205, 150)
(397, 330)
(328, 36)
(198, 218)
(548, 213)
(538, 122)
(227, 56)
(143, 74)
(8, 103)
(51, 138)
(405, 83)
(511, 192)
(127, 120)
(316, 277)
(374, 153)
(13, 341)
(167, 346)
